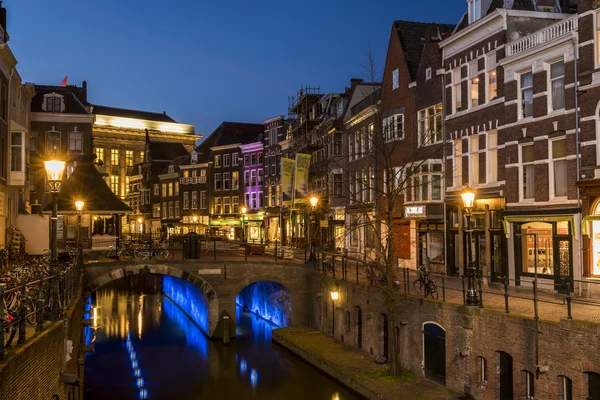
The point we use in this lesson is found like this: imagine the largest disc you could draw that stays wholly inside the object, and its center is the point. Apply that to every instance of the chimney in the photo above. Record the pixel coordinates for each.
(355, 81)
(83, 92)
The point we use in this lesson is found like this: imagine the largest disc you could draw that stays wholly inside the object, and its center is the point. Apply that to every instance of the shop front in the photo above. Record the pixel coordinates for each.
(429, 231)
(590, 229)
(226, 228)
(544, 247)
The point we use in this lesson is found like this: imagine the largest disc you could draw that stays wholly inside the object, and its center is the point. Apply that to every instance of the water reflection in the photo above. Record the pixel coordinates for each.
(147, 347)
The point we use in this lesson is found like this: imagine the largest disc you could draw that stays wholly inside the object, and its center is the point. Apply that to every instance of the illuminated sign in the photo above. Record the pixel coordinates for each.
(414, 211)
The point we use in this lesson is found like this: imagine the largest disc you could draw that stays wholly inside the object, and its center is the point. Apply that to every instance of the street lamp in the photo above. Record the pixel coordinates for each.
(54, 174)
(313, 202)
(468, 199)
(244, 210)
(79, 207)
(335, 295)
(195, 219)
(140, 225)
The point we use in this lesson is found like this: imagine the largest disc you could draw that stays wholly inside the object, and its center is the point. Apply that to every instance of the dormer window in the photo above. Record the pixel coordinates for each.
(53, 103)
(171, 169)
(474, 10)
(193, 157)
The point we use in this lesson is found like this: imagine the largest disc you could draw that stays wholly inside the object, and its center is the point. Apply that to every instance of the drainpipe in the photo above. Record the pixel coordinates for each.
(444, 156)
(579, 230)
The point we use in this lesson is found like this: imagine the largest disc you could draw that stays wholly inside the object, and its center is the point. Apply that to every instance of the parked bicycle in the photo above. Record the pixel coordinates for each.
(159, 250)
(424, 285)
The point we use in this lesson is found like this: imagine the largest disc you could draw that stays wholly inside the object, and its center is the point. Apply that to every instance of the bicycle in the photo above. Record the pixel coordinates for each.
(148, 251)
(424, 285)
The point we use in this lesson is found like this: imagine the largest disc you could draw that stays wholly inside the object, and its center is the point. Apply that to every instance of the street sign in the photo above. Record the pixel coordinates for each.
(213, 271)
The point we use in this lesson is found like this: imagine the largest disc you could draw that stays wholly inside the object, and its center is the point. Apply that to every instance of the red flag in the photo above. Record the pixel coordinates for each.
(65, 81)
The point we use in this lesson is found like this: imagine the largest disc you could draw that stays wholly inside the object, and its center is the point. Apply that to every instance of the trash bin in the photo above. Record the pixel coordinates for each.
(191, 246)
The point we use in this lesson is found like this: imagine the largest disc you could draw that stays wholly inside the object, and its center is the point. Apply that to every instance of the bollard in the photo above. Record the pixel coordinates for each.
(535, 301)
(22, 316)
(40, 306)
(275, 249)
(569, 316)
(505, 282)
(246, 251)
(443, 287)
(462, 277)
(2, 327)
(226, 329)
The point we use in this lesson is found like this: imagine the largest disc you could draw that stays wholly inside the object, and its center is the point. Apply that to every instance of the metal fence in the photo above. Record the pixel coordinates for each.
(27, 304)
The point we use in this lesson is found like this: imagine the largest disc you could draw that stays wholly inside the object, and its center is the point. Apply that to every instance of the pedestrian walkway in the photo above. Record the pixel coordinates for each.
(355, 369)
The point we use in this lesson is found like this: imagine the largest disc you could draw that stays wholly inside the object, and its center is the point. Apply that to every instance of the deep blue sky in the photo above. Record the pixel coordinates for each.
(204, 62)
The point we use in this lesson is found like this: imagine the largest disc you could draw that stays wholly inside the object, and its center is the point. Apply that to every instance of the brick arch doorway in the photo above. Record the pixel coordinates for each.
(434, 352)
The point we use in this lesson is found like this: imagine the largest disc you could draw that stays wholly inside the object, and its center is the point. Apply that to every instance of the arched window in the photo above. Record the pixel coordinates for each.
(53, 103)
(565, 388)
(593, 385)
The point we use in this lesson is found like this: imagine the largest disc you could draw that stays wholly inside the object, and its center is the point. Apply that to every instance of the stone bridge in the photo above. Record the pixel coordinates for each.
(221, 281)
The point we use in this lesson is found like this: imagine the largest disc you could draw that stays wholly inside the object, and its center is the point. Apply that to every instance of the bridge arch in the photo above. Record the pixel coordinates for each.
(267, 296)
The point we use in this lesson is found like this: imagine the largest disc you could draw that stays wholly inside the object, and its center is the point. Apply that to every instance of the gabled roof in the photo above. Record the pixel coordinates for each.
(237, 133)
(135, 114)
(203, 149)
(86, 183)
(166, 151)
(413, 36)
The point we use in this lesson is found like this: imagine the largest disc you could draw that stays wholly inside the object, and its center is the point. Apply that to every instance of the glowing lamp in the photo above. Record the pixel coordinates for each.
(54, 173)
(79, 205)
(335, 295)
(140, 220)
(195, 219)
(468, 198)
(314, 201)
(244, 210)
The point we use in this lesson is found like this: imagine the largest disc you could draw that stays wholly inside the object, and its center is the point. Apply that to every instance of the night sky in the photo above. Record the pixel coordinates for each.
(204, 62)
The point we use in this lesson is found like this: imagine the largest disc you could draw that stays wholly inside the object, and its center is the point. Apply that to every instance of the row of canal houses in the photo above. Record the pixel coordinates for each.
(506, 102)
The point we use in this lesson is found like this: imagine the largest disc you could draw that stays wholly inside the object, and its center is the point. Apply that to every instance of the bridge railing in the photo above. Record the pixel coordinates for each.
(32, 294)
(537, 298)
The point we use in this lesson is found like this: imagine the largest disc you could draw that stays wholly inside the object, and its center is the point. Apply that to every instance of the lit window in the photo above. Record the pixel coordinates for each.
(527, 173)
(195, 200)
(75, 143)
(114, 156)
(170, 186)
(457, 89)
(217, 205)
(217, 161)
(474, 84)
(141, 156)
(127, 188)
(492, 156)
(53, 142)
(99, 154)
(235, 180)
(430, 125)
(526, 93)
(557, 85)
(114, 184)
(129, 158)
(559, 167)
(395, 79)
(235, 203)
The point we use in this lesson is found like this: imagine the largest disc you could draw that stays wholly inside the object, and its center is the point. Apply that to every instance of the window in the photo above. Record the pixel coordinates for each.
(598, 38)
(566, 388)
(557, 85)
(141, 156)
(33, 141)
(529, 381)
(365, 185)
(253, 201)
(247, 199)
(482, 370)
(246, 178)
(114, 157)
(217, 181)
(474, 160)
(235, 205)
(260, 176)
(526, 93)
(53, 142)
(234, 159)
(164, 190)
(170, 189)
(457, 163)
(492, 157)
(246, 160)
(226, 180)
(354, 230)
(202, 175)
(155, 210)
(430, 125)
(593, 384)
(474, 10)
(33, 179)
(371, 136)
(193, 157)
(235, 180)
(16, 152)
(127, 188)
(186, 200)
(428, 74)
(425, 182)
(363, 142)
(457, 89)
(393, 128)
(226, 160)
(53, 104)
(177, 209)
(202, 199)
(253, 177)
(129, 158)
(527, 173)
(226, 205)
(357, 153)
(171, 210)
(559, 167)
(217, 161)
(395, 79)
(273, 136)
(252, 159)
(218, 209)
(99, 154)
(114, 184)
(371, 183)
(156, 189)
(165, 209)
(195, 200)
(338, 182)
(337, 144)
(350, 147)
(474, 84)
(260, 158)
(492, 79)
(75, 143)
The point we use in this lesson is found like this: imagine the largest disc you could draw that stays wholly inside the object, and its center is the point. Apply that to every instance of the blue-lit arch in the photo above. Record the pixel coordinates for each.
(268, 299)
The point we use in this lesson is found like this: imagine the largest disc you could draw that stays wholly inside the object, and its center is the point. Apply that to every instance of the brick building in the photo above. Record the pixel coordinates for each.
(275, 132)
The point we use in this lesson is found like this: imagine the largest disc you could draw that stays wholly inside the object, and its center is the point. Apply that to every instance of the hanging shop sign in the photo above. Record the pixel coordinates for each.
(414, 211)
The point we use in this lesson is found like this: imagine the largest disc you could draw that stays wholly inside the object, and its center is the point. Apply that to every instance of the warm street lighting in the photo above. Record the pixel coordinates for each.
(335, 295)
(244, 210)
(313, 201)
(313, 256)
(468, 198)
(79, 207)
(195, 219)
(54, 174)
(140, 220)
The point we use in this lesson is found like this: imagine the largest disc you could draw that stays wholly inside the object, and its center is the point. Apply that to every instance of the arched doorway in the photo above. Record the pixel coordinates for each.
(358, 325)
(506, 376)
(434, 352)
(593, 386)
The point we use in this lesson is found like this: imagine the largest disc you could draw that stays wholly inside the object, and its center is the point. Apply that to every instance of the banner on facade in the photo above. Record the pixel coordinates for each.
(301, 181)
(287, 171)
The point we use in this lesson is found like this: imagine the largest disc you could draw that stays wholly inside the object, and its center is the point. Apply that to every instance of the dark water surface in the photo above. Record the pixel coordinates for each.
(146, 347)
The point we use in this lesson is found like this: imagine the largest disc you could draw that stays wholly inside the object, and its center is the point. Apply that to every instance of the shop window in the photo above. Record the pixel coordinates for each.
(544, 259)
(565, 388)
(435, 246)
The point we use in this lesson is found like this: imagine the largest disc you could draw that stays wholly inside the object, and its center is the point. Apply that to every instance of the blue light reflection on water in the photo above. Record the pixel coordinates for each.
(189, 297)
(269, 300)
(194, 337)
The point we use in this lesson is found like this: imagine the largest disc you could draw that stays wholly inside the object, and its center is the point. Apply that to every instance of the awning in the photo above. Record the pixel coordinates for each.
(539, 218)
(585, 223)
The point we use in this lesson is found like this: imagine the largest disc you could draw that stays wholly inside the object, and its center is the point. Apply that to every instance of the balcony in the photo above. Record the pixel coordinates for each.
(545, 35)
(192, 180)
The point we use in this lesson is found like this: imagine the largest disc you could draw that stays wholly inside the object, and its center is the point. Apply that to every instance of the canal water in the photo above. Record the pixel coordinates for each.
(145, 346)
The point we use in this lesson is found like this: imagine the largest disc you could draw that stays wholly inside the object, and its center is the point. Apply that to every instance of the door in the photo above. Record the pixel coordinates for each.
(452, 267)
(506, 376)
(384, 336)
(498, 267)
(434, 353)
(358, 319)
(593, 386)
(563, 264)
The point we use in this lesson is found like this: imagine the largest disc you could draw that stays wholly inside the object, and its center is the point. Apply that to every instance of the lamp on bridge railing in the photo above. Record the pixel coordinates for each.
(79, 208)
(54, 175)
(313, 203)
(335, 295)
(140, 221)
(195, 219)
(244, 211)
(468, 199)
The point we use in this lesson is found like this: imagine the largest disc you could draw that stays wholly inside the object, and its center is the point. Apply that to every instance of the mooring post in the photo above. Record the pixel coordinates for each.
(226, 329)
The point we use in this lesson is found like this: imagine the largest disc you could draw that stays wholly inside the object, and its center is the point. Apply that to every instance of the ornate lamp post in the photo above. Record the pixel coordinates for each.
(335, 295)
(79, 207)
(195, 219)
(244, 211)
(54, 174)
(468, 199)
(313, 203)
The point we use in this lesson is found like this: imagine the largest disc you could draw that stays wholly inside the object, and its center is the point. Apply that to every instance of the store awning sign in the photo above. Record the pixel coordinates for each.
(414, 211)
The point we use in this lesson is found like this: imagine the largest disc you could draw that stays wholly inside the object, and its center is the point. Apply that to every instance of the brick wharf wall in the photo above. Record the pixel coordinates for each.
(569, 348)
(33, 372)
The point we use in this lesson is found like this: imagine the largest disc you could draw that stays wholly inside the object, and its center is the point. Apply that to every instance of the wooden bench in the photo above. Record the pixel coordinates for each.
(255, 249)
